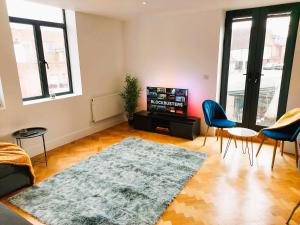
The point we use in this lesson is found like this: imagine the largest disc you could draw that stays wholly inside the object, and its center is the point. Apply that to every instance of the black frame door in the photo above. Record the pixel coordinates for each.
(259, 16)
(235, 16)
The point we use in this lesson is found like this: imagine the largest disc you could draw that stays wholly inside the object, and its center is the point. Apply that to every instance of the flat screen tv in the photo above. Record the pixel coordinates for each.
(171, 101)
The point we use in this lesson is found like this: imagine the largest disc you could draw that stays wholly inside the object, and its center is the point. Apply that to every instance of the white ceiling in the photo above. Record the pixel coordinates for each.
(124, 9)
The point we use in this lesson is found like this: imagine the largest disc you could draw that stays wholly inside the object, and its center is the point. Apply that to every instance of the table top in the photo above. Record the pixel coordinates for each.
(29, 132)
(242, 132)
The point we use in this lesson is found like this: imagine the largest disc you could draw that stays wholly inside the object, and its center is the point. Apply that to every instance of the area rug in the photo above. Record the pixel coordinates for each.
(129, 183)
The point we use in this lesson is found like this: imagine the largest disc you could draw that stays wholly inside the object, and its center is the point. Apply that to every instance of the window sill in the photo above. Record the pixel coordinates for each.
(42, 100)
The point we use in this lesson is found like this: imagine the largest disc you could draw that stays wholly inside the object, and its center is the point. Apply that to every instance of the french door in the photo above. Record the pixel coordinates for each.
(258, 54)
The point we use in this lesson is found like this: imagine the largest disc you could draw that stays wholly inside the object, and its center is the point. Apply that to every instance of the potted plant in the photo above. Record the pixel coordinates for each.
(131, 92)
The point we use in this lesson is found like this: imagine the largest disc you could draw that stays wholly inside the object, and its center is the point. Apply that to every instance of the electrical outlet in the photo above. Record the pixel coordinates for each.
(205, 76)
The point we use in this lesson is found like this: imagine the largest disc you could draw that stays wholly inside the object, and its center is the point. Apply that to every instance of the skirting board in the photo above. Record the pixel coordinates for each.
(94, 128)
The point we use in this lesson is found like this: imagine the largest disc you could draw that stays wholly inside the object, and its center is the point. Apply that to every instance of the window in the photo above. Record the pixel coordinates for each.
(258, 53)
(41, 49)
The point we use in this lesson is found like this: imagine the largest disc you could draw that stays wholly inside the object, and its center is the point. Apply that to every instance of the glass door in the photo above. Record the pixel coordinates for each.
(257, 60)
(276, 35)
(238, 64)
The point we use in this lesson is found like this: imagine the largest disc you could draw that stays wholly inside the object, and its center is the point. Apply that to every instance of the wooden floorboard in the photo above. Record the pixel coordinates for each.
(227, 192)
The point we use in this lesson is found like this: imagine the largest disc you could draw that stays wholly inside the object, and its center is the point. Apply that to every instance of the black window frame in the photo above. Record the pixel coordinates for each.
(37, 24)
(258, 30)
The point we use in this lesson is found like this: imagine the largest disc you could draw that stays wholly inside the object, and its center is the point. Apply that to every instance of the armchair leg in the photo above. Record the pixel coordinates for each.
(274, 153)
(258, 150)
(292, 213)
(235, 142)
(282, 146)
(217, 133)
(296, 153)
(221, 137)
(205, 136)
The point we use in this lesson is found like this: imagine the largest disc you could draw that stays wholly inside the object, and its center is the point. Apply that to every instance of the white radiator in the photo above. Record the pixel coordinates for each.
(107, 106)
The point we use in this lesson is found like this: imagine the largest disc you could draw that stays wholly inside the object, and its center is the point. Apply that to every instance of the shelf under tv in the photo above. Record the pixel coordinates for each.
(185, 127)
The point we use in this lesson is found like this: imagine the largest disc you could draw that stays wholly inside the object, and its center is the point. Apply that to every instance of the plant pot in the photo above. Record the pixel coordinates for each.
(130, 121)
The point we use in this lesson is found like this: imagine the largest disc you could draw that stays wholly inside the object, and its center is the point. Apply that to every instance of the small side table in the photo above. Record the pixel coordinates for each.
(245, 134)
(31, 132)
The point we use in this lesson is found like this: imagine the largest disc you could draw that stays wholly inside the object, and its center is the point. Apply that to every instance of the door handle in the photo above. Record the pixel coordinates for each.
(250, 79)
(45, 63)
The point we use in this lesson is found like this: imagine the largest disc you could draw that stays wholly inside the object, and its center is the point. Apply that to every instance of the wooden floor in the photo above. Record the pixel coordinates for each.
(227, 192)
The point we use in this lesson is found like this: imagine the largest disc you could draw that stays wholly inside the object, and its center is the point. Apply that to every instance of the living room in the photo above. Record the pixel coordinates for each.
(174, 45)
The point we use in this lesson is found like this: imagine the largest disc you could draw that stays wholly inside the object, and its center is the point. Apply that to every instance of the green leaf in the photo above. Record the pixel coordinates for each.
(130, 94)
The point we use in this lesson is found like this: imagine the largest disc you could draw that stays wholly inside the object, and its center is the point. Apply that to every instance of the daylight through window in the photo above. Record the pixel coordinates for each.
(41, 49)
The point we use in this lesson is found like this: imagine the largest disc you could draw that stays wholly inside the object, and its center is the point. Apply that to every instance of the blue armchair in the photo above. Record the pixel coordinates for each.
(215, 117)
(287, 133)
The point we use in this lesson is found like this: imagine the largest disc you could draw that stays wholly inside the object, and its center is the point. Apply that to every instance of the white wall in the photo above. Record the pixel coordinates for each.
(176, 50)
(294, 91)
(100, 45)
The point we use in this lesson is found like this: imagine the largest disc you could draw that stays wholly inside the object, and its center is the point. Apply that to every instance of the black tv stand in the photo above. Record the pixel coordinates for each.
(185, 127)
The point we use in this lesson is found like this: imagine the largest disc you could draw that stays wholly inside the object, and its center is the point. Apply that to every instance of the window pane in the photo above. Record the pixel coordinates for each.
(35, 11)
(25, 51)
(240, 39)
(55, 55)
(273, 59)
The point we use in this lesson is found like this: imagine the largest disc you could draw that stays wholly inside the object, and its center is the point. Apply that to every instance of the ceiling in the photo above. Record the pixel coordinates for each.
(125, 9)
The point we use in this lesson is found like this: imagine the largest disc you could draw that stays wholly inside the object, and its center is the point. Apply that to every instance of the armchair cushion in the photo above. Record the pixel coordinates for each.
(8, 216)
(215, 115)
(212, 110)
(6, 169)
(277, 135)
(222, 123)
(287, 133)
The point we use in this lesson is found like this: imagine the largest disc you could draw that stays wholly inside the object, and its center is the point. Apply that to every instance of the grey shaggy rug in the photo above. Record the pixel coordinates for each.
(129, 183)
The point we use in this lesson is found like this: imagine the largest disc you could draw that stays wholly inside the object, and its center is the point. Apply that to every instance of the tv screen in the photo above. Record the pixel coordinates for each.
(172, 101)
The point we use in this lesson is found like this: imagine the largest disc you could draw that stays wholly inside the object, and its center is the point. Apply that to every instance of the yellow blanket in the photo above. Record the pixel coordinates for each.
(288, 118)
(14, 155)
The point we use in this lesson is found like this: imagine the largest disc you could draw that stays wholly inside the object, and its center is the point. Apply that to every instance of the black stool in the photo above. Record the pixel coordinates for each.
(31, 132)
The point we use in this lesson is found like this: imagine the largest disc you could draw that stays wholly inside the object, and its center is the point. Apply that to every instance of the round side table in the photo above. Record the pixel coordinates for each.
(246, 135)
(31, 132)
